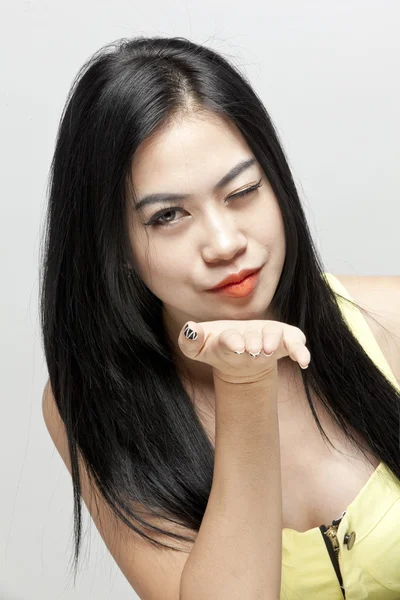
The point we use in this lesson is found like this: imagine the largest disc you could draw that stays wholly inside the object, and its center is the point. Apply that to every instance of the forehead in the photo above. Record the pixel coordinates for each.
(196, 150)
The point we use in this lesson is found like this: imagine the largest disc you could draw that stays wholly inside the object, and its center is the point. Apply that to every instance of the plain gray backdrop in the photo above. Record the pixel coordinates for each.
(328, 73)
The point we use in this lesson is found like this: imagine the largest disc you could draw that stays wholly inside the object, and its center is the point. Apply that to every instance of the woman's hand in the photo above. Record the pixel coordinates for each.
(218, 343)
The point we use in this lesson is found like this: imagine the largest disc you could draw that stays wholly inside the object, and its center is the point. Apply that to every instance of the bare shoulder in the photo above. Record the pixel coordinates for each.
(152, 573)
(380, 296)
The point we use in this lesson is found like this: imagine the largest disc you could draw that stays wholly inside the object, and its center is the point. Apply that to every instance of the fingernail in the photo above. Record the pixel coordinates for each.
(268, 354)
(190, 334)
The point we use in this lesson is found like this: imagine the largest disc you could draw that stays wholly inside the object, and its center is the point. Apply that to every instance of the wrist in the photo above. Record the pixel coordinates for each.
(264, 377)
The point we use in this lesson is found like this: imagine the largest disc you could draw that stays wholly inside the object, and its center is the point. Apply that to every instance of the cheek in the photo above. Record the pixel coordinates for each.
(269, 230)
(161, 272)
(162, 257)
(277, 234)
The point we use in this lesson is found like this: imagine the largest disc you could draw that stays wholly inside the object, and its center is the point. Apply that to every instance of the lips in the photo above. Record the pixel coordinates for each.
(235, 278)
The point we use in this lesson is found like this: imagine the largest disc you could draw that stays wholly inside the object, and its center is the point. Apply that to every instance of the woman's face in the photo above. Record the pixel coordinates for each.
(203, 238)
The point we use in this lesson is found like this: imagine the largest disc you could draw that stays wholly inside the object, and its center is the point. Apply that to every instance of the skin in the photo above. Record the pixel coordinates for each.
(212, 236)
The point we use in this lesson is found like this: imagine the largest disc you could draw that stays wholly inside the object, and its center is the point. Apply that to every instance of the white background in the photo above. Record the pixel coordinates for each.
(328, 73)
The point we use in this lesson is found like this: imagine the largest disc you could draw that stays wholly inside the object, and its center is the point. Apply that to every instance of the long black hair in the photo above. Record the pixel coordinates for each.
(110, 364)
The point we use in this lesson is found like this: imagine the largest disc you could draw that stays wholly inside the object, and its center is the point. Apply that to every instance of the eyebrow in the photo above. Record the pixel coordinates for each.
(160, 197)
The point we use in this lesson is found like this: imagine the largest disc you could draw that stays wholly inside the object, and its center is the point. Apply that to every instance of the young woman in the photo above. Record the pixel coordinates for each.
(211, 467)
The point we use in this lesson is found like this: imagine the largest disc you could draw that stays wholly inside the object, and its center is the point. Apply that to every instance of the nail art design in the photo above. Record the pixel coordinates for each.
(189, 333)
(255, 355)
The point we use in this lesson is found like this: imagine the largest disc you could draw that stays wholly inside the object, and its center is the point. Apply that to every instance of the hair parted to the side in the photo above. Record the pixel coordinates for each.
(109, 362)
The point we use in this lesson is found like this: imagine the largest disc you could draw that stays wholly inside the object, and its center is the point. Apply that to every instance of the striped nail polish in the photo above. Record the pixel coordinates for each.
(190, 334)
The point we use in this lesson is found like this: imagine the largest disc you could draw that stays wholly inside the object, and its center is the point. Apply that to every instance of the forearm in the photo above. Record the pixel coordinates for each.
(238, 549)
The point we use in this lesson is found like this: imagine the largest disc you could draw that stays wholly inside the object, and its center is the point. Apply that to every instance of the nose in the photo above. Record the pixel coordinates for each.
(224, 239)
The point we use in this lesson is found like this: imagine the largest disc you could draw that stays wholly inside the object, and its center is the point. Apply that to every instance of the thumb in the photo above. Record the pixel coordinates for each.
(191, 339)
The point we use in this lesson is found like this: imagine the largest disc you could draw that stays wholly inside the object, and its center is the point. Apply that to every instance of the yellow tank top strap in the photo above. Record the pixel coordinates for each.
(360, 328)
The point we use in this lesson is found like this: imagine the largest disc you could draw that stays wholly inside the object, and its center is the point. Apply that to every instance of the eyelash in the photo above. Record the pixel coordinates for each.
(155, 221)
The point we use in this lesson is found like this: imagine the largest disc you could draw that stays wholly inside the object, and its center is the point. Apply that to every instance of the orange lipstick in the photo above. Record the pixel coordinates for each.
(239, 290)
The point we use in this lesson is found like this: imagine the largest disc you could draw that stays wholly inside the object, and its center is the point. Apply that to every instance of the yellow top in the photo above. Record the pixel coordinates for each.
(371, 568)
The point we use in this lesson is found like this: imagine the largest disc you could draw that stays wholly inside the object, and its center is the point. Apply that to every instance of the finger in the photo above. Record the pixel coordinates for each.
(253, 342)
(297, 351)
(231, 340)
(271, 339)
(191, 339)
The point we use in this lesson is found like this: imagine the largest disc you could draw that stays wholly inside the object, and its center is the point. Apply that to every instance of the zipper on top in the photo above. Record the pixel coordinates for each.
(329, 535)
